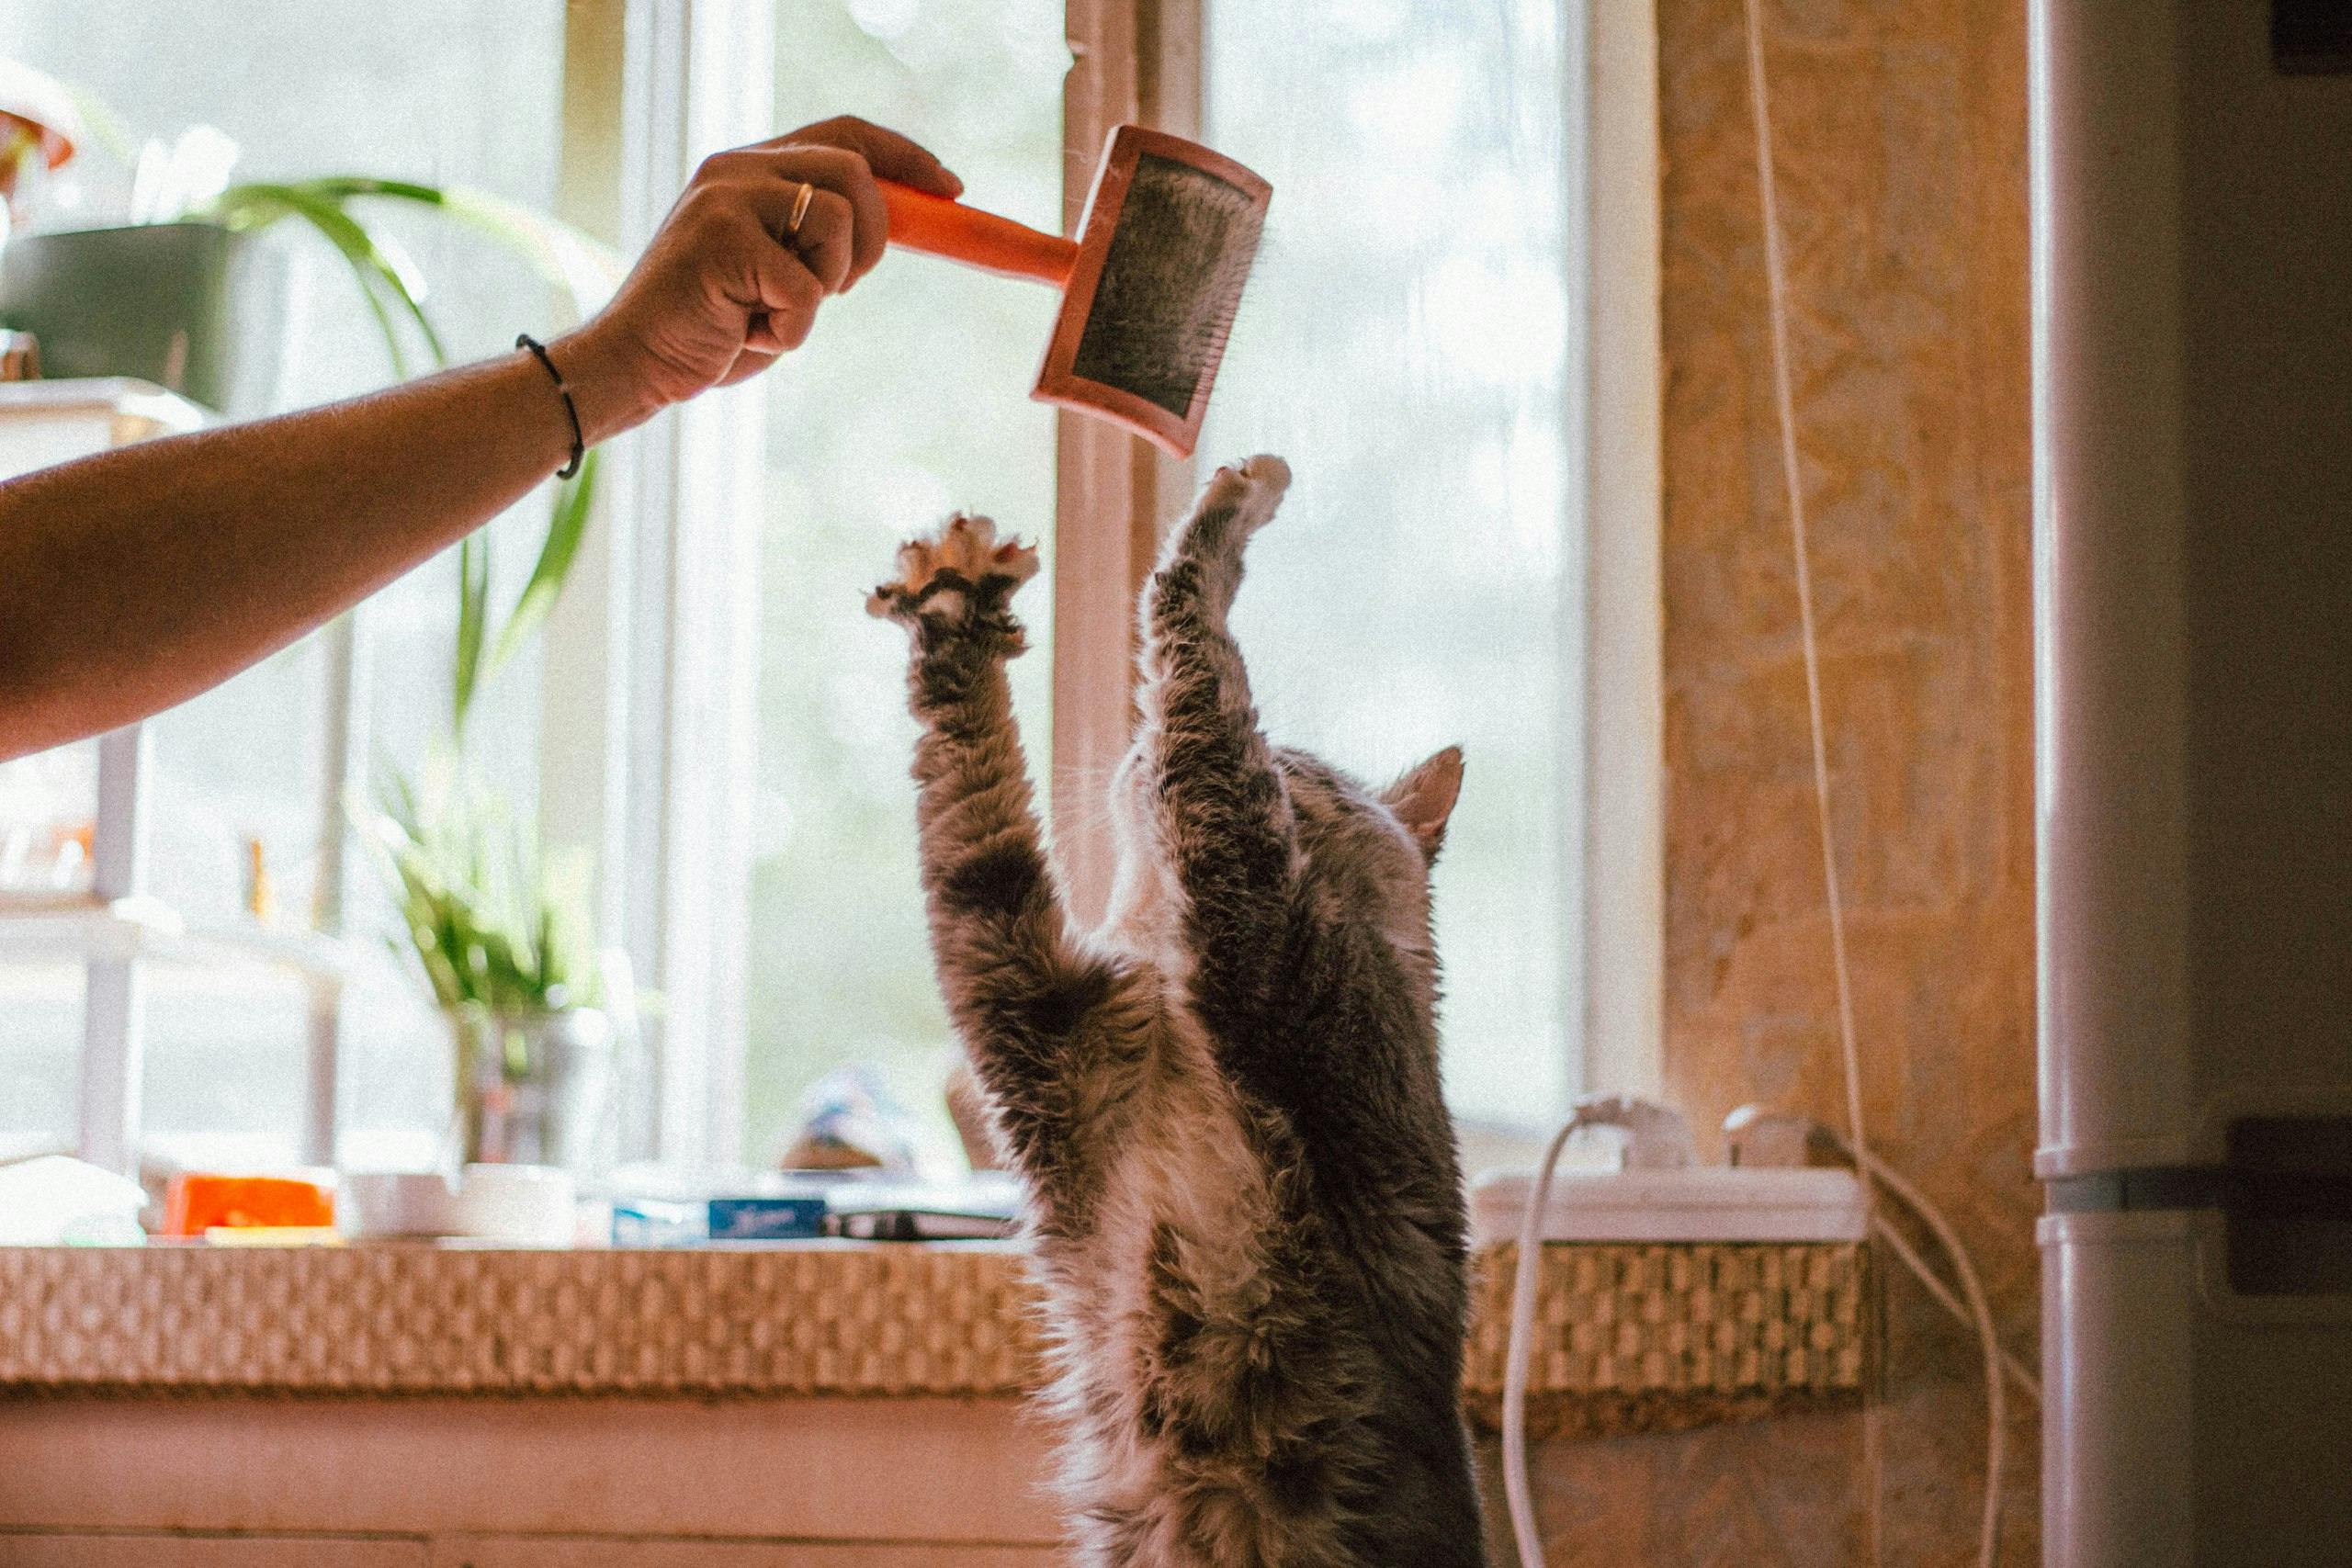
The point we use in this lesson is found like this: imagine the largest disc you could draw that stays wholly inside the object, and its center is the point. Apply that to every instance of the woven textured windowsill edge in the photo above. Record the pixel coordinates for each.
(1631, 1338)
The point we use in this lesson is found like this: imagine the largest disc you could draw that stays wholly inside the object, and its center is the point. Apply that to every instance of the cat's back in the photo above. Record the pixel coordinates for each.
(1236, 1378)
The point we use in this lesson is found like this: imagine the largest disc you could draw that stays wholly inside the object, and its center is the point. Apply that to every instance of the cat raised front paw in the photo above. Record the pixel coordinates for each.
(959, 576)
(1252, 489)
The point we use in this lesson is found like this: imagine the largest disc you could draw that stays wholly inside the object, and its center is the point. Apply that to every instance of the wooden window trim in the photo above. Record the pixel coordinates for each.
(1131, 60)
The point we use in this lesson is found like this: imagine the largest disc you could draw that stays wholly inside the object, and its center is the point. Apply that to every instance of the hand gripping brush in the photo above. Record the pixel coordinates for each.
(1149, 286)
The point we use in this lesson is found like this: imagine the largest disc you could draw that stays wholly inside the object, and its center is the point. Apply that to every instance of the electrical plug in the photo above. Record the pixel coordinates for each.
(1760, 1135)
(1657, 1137)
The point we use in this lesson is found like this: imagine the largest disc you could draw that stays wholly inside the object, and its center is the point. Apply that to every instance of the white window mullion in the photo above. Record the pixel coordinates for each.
(113, 1022)
(699, 78)
(1622, 890)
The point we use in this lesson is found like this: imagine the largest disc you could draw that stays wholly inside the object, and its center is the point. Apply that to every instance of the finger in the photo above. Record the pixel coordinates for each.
(766, 279)
(826, 243)
(827, 238)
(846, 174)
(771, 178)
(779, 332)
(788, 292)
(890, 154)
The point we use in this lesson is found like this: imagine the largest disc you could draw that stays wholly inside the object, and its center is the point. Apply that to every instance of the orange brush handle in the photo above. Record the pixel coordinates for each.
(938, 227)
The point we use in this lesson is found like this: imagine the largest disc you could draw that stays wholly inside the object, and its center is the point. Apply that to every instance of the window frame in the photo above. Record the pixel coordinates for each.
(1615, 299)
(650, 750)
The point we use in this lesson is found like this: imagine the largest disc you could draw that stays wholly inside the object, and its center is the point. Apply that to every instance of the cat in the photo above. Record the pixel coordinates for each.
(1246, 1211)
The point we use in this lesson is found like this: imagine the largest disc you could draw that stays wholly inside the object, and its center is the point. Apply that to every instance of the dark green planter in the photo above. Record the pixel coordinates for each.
(191, 306)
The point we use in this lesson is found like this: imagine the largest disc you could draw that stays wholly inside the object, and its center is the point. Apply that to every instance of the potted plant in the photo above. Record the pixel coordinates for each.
(502, 933)
(501, 930)
(158, 298)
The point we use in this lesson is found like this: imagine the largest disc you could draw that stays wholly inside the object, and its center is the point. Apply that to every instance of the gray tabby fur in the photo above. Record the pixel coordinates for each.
(1247, 1210)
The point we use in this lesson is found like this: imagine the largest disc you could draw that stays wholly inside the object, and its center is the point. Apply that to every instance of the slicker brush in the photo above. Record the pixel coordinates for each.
(1148, 287)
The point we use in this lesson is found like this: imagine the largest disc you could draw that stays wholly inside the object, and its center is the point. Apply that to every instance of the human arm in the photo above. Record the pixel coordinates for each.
(135, 578)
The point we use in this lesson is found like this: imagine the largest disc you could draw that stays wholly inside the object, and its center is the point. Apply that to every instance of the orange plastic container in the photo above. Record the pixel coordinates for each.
(199, 1201)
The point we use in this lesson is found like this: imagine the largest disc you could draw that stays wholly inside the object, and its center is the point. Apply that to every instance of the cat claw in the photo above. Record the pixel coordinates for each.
(962, 553)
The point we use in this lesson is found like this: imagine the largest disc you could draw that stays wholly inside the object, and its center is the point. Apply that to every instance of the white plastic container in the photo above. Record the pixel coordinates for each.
(517, 1205)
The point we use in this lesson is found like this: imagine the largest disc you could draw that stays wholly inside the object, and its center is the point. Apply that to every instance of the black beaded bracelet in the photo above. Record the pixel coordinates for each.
(578, 444)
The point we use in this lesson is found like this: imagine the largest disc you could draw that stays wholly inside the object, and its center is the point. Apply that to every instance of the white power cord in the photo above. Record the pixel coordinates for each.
(1855, 1143)
(1996, 1423)
(1775, 274)
(1755, 1135)
(1523, 1332)
(1874, 1171)
(1658, 1138)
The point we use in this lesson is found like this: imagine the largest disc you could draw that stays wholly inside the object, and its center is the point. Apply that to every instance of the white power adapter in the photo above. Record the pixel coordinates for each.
(1657, 1192)
(1657, 1137)
(1757, 1135)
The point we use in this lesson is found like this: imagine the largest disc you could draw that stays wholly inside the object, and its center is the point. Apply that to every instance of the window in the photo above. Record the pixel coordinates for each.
(912, 402)
(712, 708)
(1407, 343)
(1446, 475)
(445, 90)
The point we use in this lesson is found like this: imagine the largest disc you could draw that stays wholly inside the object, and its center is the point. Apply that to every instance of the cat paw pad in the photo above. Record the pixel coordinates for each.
(942, 577)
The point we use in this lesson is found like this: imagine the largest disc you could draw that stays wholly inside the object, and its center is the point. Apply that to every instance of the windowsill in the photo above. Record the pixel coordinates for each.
(1640, 1338)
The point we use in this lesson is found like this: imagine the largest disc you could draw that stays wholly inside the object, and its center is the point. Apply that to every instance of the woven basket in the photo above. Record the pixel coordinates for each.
(1652, 1338)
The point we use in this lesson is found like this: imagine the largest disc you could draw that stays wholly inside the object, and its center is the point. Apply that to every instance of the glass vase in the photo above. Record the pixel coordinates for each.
(532, 1086)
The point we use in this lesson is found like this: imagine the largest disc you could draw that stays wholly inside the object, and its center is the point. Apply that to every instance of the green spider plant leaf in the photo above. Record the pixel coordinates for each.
(574, 499)
(473, 620)
(386, 276)
(342, 188)
(585, 272)
(493, 921)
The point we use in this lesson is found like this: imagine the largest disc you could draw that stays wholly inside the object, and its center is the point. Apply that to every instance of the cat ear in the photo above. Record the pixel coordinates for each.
(1423, 799)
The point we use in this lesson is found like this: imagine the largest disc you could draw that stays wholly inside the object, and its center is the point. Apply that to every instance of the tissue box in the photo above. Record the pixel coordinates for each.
(658, 1223)
(766, 1219)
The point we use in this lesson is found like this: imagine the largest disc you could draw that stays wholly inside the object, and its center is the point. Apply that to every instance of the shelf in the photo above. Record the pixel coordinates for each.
(145, 408)
(77, 929)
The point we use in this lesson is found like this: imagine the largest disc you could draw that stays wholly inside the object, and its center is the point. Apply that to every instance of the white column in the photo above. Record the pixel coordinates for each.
(112, 1046)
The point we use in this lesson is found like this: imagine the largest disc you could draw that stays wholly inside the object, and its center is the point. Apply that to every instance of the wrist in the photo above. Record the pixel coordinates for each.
(610, 391)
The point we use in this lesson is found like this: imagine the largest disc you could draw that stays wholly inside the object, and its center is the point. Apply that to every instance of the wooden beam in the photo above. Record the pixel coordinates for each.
(1133, 60)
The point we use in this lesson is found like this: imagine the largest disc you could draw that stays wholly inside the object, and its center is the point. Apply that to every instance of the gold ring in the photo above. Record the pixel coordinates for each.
(799, 209)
